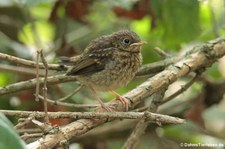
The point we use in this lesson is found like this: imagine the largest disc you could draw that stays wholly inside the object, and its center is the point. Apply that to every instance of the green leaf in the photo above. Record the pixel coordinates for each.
(44, 31)
(9, 138)
(141, 26)
(3, 79)
(180, 19)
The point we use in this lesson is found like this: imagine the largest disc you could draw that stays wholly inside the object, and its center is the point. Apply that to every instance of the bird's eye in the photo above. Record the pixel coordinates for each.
(126, 41)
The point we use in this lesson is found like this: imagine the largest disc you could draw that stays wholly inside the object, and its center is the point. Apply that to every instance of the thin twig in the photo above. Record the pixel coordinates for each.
(141, 109)
(45, 89)
(28, 136)
(37, 75)
(78, 106)
(156, 67)
(28, 130)
(162, 53)
(24, 122)
(29, 63)
(18, 69)
(23, 85)
(42, 126)
(71, 94)
(181, 90)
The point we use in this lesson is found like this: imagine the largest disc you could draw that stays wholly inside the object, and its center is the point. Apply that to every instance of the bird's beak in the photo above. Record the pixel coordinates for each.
(138, 43)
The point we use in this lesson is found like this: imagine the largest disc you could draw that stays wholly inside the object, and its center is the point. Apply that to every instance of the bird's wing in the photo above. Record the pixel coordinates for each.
(85, 66)
(91, 63)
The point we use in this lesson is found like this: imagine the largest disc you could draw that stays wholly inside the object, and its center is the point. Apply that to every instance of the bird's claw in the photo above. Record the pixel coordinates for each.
(124, 101)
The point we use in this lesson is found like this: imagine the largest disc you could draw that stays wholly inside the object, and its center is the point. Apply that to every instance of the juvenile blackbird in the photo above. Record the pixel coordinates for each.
(107, 63)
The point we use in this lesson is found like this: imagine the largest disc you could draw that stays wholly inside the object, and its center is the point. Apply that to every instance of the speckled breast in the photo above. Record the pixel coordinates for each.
(118, 71)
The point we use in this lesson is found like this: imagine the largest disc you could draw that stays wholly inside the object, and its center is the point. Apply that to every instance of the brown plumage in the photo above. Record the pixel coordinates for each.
(108, 62)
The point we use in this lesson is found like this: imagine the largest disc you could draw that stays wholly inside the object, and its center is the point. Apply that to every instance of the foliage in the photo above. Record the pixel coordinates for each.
(9, 138)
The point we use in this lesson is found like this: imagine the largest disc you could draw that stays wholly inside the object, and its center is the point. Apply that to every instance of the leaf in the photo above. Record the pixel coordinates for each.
(45, 32)
(9, 138)
(180, 19)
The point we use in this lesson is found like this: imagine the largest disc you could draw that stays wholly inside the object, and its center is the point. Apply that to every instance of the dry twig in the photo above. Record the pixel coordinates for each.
(162, 53)
(181, 90)
(45, 89)
(78, 106)
(37, 75)
(72, 93)
(29, 63)
(24, 122)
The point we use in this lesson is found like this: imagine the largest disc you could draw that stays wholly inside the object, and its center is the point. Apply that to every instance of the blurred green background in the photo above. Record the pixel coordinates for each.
(65, 27)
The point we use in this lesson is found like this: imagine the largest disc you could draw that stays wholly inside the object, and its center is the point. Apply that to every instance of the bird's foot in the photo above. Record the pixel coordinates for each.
(122, 99)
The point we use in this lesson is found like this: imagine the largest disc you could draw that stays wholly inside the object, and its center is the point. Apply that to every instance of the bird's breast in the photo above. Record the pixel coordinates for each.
(119, 70)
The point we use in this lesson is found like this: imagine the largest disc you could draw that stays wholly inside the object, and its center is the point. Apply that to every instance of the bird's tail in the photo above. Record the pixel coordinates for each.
(63, 60)
(68, 61)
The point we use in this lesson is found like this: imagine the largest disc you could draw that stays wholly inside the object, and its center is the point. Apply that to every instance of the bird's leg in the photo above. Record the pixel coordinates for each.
(120, 98)
(100, 101)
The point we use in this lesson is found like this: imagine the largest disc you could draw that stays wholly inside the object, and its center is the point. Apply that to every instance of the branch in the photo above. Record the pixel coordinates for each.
(98, 115)
(17, 69)
(199, 57)
(28, 62)
(45, 89)
(32, 83)
(162, 53)
(37, 75)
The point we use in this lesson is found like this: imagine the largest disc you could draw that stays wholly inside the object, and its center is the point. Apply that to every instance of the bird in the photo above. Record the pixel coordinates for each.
(107, 63)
